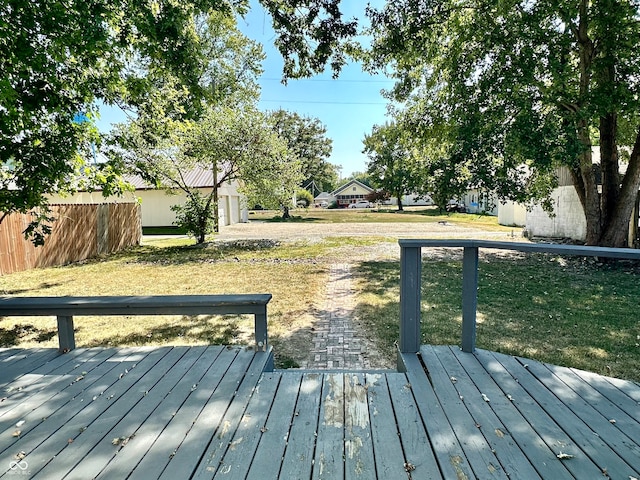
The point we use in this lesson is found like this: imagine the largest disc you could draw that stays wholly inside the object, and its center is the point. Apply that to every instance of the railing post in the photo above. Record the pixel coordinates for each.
(410, 296)
(469, 298)
(261, 330)
(66, 337)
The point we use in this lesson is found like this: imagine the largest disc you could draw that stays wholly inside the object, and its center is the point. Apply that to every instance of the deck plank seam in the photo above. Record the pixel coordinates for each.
(210, 460)
(446, 451)
(581, 434)
(512, 458)
(208, 356)
(87, 410)
(533, 445)
(481, 449)
(618, 442)
(218, 377)
(100, 429)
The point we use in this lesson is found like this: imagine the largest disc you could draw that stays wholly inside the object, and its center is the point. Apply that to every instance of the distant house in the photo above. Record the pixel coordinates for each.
(351, 192)
(480, 201)
(323, 198)
(156, 203)
(411, 200)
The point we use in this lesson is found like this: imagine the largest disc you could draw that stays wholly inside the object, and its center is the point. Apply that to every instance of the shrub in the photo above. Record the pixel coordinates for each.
(304, 197)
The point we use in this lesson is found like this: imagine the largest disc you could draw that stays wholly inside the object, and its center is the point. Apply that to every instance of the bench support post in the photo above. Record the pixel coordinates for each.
(261, 331)
(66, 337)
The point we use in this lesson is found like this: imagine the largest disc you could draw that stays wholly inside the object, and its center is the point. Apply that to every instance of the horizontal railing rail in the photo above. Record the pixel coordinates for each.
(411, 280)
(65, 308)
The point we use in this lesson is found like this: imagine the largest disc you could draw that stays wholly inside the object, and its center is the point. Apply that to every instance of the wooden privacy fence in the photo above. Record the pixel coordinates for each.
(79, 231)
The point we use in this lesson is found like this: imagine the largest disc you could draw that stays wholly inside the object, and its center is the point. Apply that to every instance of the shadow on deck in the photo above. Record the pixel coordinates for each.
(213, 412)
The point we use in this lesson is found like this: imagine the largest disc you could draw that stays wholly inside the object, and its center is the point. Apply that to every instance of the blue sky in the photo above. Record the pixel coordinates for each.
(349, 107)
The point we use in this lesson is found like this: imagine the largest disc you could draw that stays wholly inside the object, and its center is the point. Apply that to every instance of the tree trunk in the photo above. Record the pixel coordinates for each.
(616, 233)
(610, 167)
(285, 213)
(400, 206)
(216, 211)
(590, 196)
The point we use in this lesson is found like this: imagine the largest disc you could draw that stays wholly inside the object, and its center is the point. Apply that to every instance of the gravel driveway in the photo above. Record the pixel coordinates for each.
(297, 231)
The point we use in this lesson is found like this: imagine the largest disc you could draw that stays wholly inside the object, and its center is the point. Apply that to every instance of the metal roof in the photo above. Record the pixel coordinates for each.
(195, 178)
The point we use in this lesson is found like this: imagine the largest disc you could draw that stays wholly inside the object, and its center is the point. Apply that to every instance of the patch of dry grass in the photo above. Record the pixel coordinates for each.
(254, 267)
(386, 215)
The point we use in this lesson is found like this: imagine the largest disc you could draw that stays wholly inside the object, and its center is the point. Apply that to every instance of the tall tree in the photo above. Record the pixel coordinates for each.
(515, 89)
(391, 163)
(307, 140)
(233, 142)
(59, 58)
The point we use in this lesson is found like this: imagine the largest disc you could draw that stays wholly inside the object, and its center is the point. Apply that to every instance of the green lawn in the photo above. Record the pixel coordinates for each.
(386, 215)
(556, 310)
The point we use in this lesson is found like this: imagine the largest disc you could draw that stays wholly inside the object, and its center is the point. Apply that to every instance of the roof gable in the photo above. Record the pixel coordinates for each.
(349, 184)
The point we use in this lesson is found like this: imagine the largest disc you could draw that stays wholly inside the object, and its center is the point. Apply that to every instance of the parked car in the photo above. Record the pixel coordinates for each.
(455, 206)
(361, 204)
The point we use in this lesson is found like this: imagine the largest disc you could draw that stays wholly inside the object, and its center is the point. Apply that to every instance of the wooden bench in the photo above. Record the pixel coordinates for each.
(65, 308)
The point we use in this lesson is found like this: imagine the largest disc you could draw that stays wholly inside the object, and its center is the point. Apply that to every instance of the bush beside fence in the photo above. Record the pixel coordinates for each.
(79, 231)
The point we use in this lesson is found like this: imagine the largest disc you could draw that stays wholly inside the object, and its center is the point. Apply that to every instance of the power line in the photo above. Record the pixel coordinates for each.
(325, 102)
(338, 80)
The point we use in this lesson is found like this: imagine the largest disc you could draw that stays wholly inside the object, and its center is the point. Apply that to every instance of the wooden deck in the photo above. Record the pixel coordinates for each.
(211, 412)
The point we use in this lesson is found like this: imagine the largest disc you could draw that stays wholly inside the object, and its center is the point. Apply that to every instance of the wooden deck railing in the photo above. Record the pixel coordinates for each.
(65, 308)
(411, 279)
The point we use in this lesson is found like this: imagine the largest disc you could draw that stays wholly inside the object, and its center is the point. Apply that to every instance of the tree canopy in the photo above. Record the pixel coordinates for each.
(60, 58)
(515, 89)
(512, 90)
(391, 164)
(307, 140)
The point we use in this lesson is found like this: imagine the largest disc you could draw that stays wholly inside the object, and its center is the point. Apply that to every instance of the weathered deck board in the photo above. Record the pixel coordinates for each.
(591, 419)
(329, 455)
(172, 436)
(211, 412)
(415, 444)
(589, 454)
(360, 459)
(476, 394)
(389, 457)
(267, 459)
(24, 363)
(300, 445)
(525, 436)
(448, 452)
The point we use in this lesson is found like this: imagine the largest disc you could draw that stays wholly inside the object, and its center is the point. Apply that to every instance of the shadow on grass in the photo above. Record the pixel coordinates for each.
(210, 329)
(208, 252)
(10, 337)
(42, 286)
(292, 219)
(568, 313)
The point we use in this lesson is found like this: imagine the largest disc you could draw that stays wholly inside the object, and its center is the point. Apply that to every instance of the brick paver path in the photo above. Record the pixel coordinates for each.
(335, 342)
